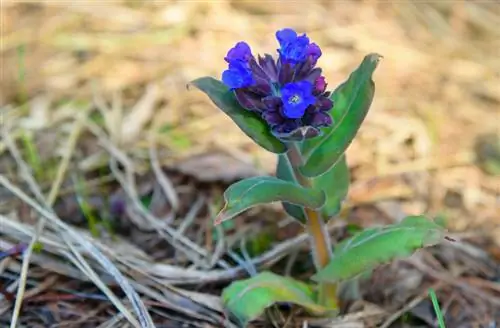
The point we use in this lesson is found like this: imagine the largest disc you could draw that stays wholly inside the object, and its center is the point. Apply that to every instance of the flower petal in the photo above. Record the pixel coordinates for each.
(320, 119)
(286, 35)
(296, 98)
(241, 51)
(238, 75)
(313, 75)
(273, 117)
(272, 102)
(303, 69)
(320, 85)
(249, 100)
(296, 51)
(324, 104)
(314, 52)
(285, 127)
(269, 67)
(285, 73)
(232, 79)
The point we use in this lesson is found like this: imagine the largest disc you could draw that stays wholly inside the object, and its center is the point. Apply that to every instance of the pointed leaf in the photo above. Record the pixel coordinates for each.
(249, 122)
(372, 247)
(335, 184)
(352, 99)
(247, 299)
(250, 192)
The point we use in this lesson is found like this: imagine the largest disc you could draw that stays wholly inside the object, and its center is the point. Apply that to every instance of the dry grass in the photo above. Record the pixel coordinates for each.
(95, 109)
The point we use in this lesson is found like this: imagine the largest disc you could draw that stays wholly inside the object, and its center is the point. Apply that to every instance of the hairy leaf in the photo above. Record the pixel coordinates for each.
(372, 247)
(334, 183)
(352, 99)
(250, 192)
(247, 299)
(284, 171)
(250, 123)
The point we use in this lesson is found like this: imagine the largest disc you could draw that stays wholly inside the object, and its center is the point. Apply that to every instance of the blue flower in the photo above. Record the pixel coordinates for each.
(296, 98)
(288, 93)
(293, 48)
(241, 51)
(286, 35)
(238, 75)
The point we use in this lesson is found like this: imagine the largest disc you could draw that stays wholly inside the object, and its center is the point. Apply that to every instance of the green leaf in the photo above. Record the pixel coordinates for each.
(250, 192)
(352, 99)
(372, 247)
(334, 183)
(247, 299)
(284, 171)
(250, 123)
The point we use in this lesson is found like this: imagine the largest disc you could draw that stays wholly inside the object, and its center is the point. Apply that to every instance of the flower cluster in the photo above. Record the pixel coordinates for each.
(288, 93)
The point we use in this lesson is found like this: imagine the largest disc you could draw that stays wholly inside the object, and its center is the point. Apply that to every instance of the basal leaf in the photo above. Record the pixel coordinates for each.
(352, 99)
(247, 299)
(335, 184)
(250, 192)
(250, 123)
(372, 247)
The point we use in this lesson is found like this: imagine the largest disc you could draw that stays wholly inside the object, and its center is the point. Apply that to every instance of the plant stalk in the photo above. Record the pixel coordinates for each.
(318, 235)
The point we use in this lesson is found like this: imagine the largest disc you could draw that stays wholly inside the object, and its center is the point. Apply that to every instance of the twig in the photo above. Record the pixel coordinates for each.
(127, 181)
(410, 305)
(191, 215)
(165, 231)
(453, 281)
(81, 264)
(66, 231)
(163, 180)
(73, 138)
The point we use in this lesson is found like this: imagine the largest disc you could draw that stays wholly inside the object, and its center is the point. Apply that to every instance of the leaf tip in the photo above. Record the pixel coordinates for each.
(375, 57)
(193, 84)
(221, 216)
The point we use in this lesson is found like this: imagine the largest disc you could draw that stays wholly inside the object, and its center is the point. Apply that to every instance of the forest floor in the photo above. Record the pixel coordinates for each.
(111, 170)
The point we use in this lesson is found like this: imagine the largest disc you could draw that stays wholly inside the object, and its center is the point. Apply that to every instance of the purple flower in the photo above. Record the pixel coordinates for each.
(314, 52)
(241, 51)
(118, 205)
(320, 85)
(289, 93)
(296, 98)
(293, 48)
(238, 75)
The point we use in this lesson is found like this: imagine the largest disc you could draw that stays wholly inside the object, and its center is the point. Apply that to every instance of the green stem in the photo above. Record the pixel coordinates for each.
(319, 237)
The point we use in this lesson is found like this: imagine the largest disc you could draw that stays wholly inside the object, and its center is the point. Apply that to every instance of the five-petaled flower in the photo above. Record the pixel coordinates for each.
(288, 93)
(296, 97)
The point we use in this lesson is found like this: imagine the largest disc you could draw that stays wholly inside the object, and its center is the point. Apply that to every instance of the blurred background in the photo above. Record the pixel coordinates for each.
(117, 72)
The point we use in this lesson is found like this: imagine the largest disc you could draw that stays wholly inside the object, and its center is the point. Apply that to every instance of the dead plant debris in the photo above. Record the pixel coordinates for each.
(112, 171)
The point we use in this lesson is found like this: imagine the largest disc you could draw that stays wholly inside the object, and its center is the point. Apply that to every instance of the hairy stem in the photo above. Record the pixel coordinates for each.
(319, 237)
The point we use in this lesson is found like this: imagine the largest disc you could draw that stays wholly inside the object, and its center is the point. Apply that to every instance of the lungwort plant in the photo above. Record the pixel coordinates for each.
(285, 106)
